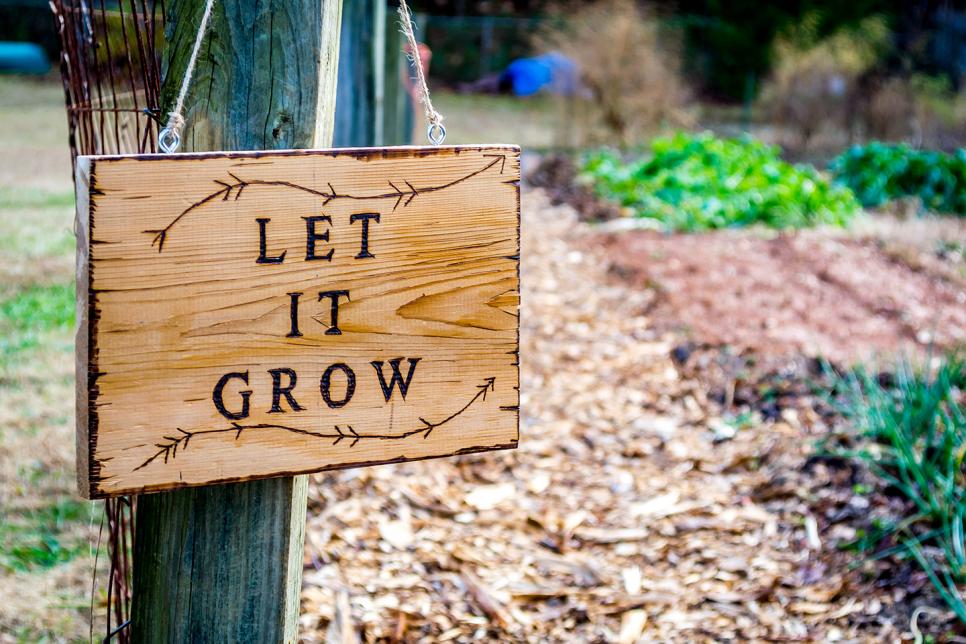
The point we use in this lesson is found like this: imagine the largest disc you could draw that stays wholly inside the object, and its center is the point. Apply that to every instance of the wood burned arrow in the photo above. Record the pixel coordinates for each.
(168, 449)
(160, 235)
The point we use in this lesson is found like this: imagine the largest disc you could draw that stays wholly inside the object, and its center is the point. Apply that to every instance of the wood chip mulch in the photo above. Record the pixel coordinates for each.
(630, 512)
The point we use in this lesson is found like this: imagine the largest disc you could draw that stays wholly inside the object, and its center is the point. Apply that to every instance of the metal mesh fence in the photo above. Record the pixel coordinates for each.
(111, 72)
(110, 67)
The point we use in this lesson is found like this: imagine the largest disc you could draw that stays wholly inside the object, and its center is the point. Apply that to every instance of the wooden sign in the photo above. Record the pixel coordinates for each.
(257, 314)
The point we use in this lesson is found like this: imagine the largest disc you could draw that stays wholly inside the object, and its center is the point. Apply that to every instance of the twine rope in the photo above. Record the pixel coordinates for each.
(434, 120)
(170, 137)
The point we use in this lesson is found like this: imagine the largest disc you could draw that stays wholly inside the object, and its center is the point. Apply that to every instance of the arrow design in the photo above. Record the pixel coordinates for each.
(237, 185)
(168, 448)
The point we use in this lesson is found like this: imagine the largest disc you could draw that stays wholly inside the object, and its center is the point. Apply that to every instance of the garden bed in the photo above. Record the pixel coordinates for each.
(817, 293)
(646, 502)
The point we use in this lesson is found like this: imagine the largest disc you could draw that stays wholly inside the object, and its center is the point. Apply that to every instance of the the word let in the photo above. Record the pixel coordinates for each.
(314, 251)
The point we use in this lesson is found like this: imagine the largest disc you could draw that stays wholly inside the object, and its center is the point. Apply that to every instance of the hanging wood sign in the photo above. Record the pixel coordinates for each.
(256, 314)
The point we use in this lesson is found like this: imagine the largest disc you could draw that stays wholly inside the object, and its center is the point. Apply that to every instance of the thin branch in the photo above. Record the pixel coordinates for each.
(160, 235)
(168, 449)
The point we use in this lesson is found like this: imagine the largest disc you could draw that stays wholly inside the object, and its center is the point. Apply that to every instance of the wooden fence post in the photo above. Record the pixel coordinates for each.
(356, 94)
(224, 563)
(373, 106)
(398, 113)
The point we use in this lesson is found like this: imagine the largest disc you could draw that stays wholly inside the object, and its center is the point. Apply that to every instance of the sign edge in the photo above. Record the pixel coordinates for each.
(83, 178)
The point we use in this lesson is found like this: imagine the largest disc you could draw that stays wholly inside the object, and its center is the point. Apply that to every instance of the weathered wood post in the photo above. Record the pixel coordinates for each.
(223, 563)
(373, 107)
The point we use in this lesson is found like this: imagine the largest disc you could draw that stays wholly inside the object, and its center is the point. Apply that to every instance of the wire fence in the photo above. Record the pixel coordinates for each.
(111, 73)
(110, 66)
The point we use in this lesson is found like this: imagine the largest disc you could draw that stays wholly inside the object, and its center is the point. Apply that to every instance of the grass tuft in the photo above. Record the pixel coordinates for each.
(27, 316)
(911, 434)
(43, 537)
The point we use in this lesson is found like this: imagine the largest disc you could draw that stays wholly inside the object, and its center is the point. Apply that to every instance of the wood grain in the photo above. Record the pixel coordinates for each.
(263, 77)
(238, 578)
(178, 300)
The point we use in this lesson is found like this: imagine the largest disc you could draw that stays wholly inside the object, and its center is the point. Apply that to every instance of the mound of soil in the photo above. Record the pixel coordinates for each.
(557, 175)
(808, 294)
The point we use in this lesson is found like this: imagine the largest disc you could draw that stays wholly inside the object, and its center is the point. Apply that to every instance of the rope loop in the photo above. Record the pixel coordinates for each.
(434, 130)
(436, 133)
(169, 139)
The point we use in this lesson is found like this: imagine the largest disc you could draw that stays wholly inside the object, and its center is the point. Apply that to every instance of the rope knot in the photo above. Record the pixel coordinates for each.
(175, 122)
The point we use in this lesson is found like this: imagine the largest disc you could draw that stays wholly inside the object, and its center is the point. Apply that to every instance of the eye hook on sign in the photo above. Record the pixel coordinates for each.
(436, 133)
(169, 140)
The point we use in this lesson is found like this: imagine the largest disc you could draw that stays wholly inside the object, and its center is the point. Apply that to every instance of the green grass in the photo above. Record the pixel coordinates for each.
(26, 318)
(43, 537)
(911, 434)
(21, 198)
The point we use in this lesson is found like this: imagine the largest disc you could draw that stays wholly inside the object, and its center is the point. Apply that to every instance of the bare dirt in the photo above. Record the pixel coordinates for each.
(816, 294)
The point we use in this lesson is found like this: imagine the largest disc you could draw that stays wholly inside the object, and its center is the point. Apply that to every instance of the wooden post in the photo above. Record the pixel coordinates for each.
(373, 107)
(355, 105)
(398, 109)
(379, 72)
(224, 563)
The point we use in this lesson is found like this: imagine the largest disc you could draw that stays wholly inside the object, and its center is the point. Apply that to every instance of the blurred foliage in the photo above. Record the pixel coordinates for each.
(481, 7)
(940, 112)
(466, 48)
(30, 20)
(699, 182)
(850, 50)
(879, 172)
(911, 434)
(815, 81)
(629, 65)
(729, 44)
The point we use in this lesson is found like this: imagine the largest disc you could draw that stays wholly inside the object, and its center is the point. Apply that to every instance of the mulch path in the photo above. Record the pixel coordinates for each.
(626, 515)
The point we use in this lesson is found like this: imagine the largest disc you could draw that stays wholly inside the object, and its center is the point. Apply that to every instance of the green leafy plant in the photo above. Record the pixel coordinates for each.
(911, 434)
(880, 172)
(694, 182)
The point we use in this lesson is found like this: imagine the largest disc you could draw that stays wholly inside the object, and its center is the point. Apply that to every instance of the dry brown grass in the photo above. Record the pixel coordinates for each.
(46, 532)
(629, 66)
(42, 601)
(814, 87)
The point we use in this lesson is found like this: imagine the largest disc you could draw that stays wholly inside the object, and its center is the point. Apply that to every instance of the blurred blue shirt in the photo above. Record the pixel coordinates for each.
(553, 72)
